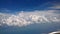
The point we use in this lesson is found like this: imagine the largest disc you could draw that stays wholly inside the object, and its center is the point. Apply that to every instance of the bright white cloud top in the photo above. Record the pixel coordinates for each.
(56, 32)
(27, 18)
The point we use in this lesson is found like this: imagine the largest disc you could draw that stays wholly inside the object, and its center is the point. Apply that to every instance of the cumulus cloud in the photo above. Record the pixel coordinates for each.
(27, 18)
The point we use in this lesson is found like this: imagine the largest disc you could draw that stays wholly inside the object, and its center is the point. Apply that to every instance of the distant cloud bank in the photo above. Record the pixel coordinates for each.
(27, 18)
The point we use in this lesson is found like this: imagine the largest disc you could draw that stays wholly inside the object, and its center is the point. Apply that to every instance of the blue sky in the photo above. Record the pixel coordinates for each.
(15, 16)
(26, 5)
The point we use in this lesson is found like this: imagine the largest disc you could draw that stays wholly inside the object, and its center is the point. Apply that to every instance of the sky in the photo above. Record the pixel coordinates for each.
(26, 5)
(29, 16)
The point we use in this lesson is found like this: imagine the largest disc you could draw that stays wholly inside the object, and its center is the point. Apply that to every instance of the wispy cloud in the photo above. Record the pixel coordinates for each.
(4, 10)
(55, 6)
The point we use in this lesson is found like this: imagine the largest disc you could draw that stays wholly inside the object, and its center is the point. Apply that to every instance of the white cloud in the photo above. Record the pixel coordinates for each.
(27, 18)
(56, 32)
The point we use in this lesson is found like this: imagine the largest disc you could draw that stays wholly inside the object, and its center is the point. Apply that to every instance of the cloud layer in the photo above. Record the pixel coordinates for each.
(27, 18)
